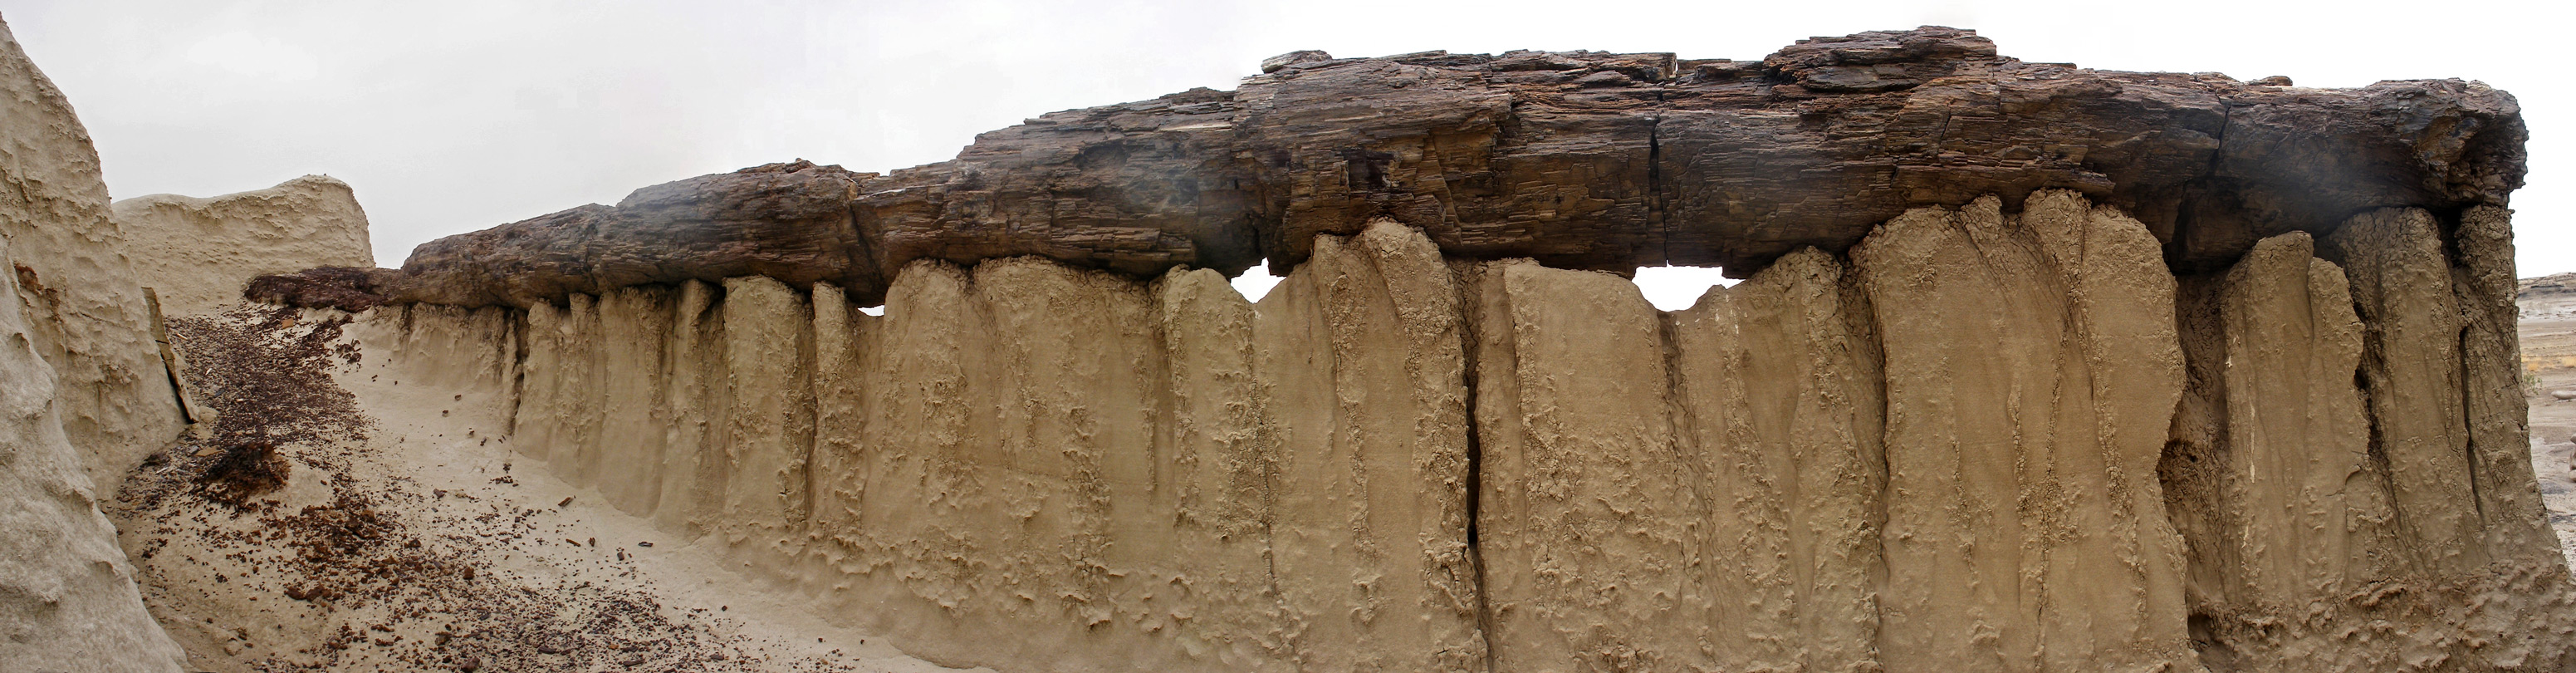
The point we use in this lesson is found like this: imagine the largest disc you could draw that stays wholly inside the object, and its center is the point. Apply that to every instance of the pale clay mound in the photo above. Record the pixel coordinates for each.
(195, 253)
(2003, 435)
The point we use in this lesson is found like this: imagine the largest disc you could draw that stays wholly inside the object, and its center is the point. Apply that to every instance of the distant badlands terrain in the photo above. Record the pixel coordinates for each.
(2033, 368)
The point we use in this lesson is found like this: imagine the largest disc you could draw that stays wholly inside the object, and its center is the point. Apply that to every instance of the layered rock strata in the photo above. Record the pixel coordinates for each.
(83, 395)
(1579, 160)
(1996, 437)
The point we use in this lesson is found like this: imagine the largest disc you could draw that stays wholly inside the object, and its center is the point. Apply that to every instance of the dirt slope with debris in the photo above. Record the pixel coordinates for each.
(357, 506)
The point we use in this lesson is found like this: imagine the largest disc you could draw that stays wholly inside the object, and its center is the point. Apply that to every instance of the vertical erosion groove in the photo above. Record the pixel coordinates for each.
(2469, 399)
(1467, 277)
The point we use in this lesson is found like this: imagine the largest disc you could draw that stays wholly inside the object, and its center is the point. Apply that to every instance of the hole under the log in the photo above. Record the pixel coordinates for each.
(1673, 288)
(1256, 281)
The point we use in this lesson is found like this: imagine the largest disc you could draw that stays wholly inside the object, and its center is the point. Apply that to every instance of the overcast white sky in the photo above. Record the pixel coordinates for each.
(462, 114)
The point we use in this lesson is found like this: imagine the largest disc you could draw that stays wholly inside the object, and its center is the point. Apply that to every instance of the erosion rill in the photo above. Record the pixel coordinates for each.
(2033, 368)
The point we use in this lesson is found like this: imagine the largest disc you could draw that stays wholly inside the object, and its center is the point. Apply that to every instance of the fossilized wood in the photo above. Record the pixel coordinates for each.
(1579, 160)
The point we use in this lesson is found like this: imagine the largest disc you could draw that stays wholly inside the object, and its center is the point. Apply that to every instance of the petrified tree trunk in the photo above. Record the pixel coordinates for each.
(1579, 160)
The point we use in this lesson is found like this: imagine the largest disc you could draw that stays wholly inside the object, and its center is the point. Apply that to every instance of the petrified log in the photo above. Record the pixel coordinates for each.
(1579, 160)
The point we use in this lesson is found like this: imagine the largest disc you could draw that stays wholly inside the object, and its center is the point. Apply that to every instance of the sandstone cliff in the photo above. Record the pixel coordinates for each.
(83, 395)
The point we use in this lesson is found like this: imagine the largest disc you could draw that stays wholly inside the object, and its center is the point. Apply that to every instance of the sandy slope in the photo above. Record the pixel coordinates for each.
(405, 538)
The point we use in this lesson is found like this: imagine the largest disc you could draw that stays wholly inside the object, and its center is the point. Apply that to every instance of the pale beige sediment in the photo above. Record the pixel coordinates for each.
(768, 331)
(693, 394)
(2366, 519)
(83, 395)
(1778, 389)
(85, 307)
(1688, 491)
(196, 253)
(545, 420)
(1362, 352)
(2298, 441)
(634, 330)
(1589, 502)
(2498, 416)
(834, 481)
(2031, 369)
(68, 601)
(2401, 289)
(1224, 459)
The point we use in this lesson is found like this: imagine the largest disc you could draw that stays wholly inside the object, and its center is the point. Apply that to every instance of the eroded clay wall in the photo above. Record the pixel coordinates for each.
(2351, 492)
(1997, 437)
(87, 315)
(83, 396)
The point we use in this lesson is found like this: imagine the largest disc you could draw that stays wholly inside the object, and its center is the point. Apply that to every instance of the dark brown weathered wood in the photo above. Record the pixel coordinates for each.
(1579, 160)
